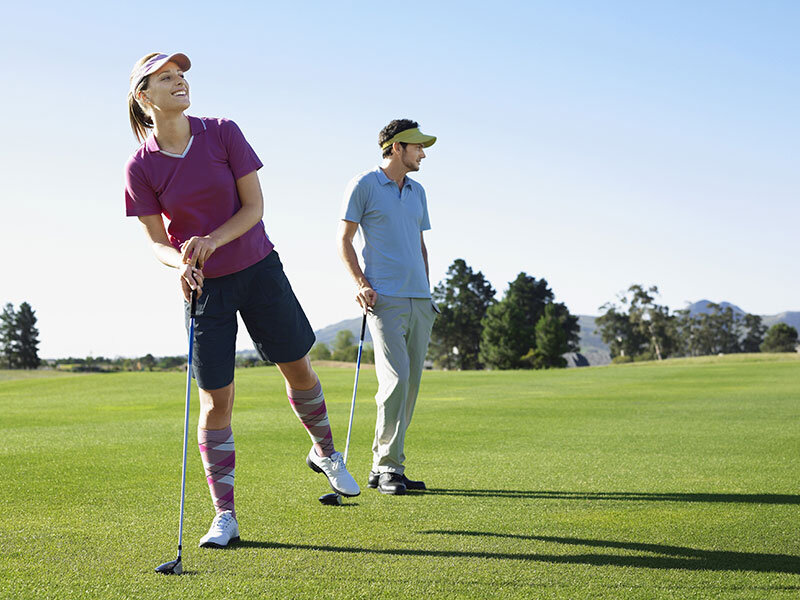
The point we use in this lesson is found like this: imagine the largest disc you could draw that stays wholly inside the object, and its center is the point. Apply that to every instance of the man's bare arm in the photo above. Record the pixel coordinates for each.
(365, 296)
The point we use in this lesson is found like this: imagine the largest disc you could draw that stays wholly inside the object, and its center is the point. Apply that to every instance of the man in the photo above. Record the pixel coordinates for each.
(391, 212)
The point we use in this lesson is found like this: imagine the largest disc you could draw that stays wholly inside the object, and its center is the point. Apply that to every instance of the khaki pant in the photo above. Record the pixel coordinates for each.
(400, 330)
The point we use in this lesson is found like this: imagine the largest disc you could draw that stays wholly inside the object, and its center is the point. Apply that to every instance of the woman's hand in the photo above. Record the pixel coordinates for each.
(191, 279)
(197, 250)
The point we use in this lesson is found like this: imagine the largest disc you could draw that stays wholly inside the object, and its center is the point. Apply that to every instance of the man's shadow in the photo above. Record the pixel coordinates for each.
(632, 496)
(656, 556)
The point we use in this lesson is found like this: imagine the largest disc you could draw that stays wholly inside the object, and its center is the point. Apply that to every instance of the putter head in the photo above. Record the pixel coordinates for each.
(173, 567)
(331, 499)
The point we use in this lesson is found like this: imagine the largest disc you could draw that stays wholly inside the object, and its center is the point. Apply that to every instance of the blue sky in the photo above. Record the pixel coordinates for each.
(593, 144)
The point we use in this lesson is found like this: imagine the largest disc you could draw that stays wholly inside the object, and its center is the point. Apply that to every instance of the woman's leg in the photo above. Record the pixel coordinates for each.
(213, 363)
(215, 439)
(308, 402)
(280, 332)
(305, 395)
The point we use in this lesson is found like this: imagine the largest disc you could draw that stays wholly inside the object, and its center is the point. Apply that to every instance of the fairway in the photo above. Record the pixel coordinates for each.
(670, 480)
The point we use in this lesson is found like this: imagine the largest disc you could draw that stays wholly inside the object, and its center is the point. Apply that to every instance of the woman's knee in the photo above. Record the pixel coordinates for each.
(217, 402)
(298, 374)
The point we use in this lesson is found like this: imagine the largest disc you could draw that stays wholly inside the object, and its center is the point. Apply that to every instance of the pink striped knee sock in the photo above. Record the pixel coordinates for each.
(219, 460)
(309, 406)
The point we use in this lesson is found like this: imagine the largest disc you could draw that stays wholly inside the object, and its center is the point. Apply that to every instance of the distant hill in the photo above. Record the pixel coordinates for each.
(591, 344)
(326, 335)
(701, 306)
(790, 318)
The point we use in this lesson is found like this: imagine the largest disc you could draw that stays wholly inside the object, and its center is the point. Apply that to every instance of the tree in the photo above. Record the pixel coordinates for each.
(645, 331)
(167, 362)
(344, 339)
(755, 333)
(463, 299)
(368, 354)
(780, 338)
(720, 330)
(344, 348)
(617, 330)
(551, 341)
(19, 337)
(725, 324)
(320, 351)
(509, 327)
(148, 361)
(28, 337)
(9, 337)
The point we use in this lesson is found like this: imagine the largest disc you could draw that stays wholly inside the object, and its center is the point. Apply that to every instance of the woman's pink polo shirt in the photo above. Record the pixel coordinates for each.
(196, 191)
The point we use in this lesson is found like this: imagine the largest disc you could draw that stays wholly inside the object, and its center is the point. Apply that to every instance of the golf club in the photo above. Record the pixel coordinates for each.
(175, 567)
(334, 499)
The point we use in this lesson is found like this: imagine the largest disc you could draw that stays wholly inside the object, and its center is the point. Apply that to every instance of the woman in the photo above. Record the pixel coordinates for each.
(201, 175)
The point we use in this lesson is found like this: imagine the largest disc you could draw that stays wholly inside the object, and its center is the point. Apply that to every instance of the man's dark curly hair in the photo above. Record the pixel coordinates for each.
(391, 130)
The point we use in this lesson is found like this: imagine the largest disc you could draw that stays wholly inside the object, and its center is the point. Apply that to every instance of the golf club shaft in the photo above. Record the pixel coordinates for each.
(186, 417)
(355, 385)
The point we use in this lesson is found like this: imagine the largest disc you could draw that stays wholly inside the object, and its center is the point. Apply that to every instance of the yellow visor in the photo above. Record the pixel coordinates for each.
(411, 136)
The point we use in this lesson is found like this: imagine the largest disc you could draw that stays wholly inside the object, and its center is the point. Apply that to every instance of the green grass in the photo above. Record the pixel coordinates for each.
(9, 375)
(671, 480)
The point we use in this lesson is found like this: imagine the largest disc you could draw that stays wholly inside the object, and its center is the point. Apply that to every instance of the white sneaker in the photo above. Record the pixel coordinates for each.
(224, 529)
(334, 469)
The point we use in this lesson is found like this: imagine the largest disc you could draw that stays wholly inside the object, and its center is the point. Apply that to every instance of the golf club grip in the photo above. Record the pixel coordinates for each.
(194, 304)
(363, 325)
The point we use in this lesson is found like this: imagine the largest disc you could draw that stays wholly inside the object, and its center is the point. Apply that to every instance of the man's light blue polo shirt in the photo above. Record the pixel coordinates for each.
(390, 222)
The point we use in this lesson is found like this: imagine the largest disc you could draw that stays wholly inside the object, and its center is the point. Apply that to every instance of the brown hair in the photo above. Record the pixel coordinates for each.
(140, 120)
(391, 130)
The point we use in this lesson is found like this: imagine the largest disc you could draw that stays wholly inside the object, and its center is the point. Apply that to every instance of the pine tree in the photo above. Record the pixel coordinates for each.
(509, 327)
(28, 337)
(463, 299)
(9, 338)
(551, 341)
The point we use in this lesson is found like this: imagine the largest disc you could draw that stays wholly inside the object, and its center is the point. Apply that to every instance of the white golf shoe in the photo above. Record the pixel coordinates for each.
(224, 530)
(335, 470)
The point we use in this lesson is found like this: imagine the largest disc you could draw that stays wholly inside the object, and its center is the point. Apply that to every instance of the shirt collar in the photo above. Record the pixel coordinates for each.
(195, 126)
(384, 180)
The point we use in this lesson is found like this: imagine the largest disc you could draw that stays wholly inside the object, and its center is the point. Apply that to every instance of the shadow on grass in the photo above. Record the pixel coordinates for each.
(635, 496)
(667, 557)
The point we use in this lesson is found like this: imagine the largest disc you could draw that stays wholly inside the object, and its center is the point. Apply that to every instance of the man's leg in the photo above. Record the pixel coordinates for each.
(419, 334)
(388, 326)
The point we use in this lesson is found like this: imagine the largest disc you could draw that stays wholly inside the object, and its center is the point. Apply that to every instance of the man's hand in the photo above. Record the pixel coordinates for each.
(366, 297)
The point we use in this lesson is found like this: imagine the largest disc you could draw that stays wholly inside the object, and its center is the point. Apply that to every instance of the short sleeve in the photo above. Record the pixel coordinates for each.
(425, 223)
(140, 199)
(241, 156)
(354, 202)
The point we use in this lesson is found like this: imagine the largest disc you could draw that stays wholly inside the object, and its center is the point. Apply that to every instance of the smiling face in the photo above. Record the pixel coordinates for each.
(411, 156)
(167, 90)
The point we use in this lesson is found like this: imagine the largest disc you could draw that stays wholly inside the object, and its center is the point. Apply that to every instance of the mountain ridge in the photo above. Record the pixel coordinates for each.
(591, 344)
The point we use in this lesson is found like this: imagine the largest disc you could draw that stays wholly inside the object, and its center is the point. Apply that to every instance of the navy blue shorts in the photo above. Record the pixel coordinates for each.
(262, 295)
